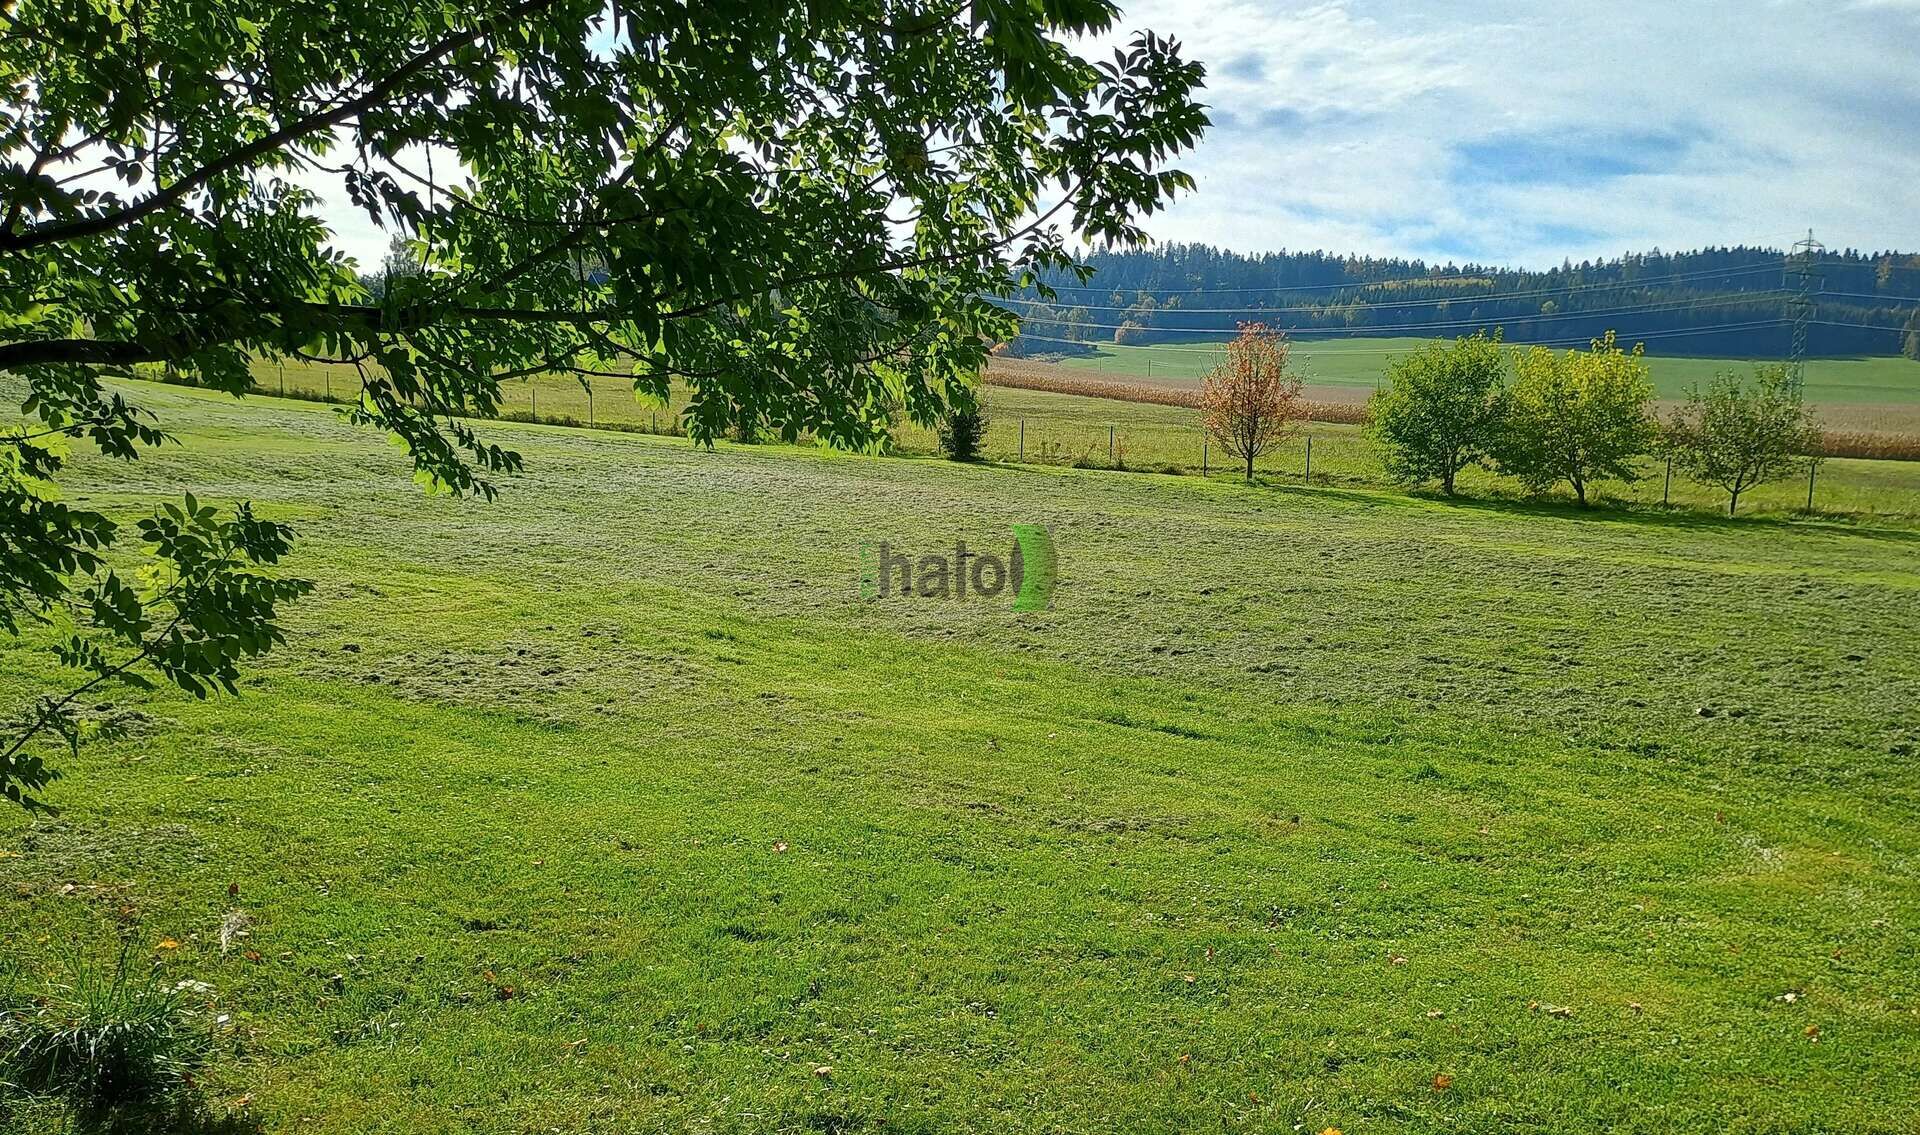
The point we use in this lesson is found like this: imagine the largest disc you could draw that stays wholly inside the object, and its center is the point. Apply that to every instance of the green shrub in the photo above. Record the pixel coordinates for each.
(111, 1039)
(963, 432)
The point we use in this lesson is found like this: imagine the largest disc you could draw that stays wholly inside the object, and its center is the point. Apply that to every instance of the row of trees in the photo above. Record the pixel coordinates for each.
(1543, 417)
(1170, 269)
(1579, 417)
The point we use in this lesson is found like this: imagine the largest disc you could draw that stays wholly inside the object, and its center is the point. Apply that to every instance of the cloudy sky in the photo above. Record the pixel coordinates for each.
(1522, 132)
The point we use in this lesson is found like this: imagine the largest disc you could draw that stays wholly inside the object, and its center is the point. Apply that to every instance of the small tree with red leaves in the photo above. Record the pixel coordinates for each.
(1251, 402)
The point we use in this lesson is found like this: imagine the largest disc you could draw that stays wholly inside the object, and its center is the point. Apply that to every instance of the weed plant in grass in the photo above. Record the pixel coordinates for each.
(108, 1038)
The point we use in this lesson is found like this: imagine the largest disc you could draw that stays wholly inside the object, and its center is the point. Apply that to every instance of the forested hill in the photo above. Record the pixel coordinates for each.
(1735, 302)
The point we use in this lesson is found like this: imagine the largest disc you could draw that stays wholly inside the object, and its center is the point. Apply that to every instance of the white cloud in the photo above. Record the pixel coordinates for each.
(1515, 132)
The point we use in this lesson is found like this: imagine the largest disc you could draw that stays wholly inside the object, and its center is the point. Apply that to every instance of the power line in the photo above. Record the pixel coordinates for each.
(1369, 329)
(1714, 329)
(1863, 326)
(1358, 284)
(1479, 277)
(1871, 296)
(1671, 333)
(1564, 290)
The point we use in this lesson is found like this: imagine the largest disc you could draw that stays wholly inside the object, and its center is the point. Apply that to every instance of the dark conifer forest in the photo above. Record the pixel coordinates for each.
(1732, 302)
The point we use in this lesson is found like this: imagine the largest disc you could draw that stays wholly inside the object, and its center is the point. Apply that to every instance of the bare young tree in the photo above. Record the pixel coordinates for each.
(1251, 402)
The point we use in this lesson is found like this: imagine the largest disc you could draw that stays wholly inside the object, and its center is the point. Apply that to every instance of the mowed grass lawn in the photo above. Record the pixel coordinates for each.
(611, 805)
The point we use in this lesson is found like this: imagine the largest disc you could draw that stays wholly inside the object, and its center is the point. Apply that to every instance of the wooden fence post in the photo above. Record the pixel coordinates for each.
(1812, 467)
(1203, 454)
(1023, 439)
(1666, 493)
(1309, 458)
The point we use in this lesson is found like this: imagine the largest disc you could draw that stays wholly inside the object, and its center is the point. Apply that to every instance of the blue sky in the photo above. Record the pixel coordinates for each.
(1522, 133)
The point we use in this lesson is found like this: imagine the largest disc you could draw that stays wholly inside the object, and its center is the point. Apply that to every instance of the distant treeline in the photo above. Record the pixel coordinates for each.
(1730, 302)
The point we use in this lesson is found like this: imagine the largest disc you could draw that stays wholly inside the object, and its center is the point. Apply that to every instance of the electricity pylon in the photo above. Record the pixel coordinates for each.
(1804, 282)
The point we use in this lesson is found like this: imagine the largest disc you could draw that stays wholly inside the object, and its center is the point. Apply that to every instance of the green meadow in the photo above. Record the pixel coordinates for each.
(611, 805)
(1360, 363)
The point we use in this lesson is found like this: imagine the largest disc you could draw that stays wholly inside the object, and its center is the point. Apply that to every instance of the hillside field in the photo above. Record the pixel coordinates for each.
(612, 805)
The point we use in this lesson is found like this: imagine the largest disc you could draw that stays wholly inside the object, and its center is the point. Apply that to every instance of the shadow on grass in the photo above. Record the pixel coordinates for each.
(1368, 498)
(1672, 516)
(188, 1117)
(1605, 511)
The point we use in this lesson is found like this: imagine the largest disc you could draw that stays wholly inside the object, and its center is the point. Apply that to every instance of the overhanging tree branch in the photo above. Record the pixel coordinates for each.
(413, 317)
(94, 352)
(57, 232)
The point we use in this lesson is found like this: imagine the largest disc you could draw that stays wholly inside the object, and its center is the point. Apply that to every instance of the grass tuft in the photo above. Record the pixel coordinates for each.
(110, 1038)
